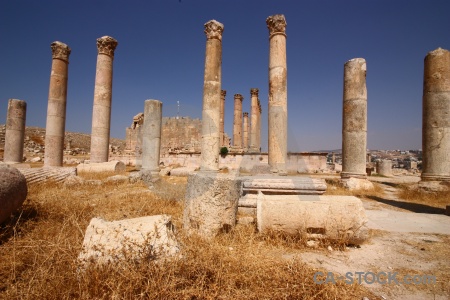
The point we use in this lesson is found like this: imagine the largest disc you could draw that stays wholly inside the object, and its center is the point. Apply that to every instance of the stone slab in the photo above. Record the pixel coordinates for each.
(287, 185)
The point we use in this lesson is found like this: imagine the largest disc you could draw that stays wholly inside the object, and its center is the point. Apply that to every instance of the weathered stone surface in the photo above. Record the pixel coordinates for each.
(354, 124)
(277, 94)
(183, 171)
(258, 169)
(13, 191)
(165, 171)
(237, 122)
(353, 183)
(55, 174)
(145, 238)
(151, 137)
(331, 217)
(436, 116)
(292, 185)
(384, 167)
(101, 111)
(117, 179)
(56, 109)
(223, 94)
(245, 135)
(254, 147)
(15, 131)
(210, 144)
(211, 203)
(110, 166)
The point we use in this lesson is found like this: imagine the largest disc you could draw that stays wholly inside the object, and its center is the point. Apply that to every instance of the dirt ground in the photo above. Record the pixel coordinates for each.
(409, 243)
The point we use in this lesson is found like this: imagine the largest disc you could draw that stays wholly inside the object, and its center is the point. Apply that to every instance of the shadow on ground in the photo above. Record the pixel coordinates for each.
(414, 207)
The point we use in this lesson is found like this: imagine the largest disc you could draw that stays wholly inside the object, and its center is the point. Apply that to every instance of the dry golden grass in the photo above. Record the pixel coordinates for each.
(335, 188)
(419, 196)
(39, 248)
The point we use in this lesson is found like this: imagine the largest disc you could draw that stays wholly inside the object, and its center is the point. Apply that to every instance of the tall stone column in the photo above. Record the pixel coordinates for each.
(151, 136)
(15, 131)
(245, 131)
(258, 130)
(277, 94)
(211, 97)
(223, 94)
(354, 120)
(56, 109)
(101, 112)
(436, 116)
(237, 124)
(254, 119)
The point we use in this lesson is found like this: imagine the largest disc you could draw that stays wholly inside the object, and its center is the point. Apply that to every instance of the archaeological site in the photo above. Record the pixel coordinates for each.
(180, 200)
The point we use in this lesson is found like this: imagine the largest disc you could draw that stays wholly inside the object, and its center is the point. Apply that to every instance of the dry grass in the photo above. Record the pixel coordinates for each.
(335, 188)
(39, 247)
(419, 196)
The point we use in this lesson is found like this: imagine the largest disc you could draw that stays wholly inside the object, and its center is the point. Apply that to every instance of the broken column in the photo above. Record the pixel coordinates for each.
(151, 137)
(15, 131)
(245, 130)
(436, 117)
(277, 94)
(210, 148)
(254, 120)
(56, 110)
(237, 124)
(211, 203)
(384, 167)
(223, 93)
(101, 112)
(354, 120)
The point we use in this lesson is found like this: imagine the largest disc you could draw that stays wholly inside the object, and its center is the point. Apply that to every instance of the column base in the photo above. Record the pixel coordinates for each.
(347, 175)
(434, 185)
(435, 177)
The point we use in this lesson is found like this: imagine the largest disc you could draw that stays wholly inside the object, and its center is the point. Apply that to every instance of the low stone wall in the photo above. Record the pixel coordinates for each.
(298, 162)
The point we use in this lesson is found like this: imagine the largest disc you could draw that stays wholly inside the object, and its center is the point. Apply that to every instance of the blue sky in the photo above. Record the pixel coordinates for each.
(161, 56)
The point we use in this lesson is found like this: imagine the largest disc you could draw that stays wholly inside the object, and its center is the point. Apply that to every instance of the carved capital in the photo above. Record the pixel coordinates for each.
(254, 92)
(276, 25)
(213, 30)
(60, 51)
(223, 93)
(238, 96)
(106, 45)
(245, 114)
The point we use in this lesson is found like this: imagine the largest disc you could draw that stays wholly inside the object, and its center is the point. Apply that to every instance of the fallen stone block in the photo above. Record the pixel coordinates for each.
(211, 203)
(294, 185)
(110, 166)
(183, 171)
(357, 184)
(145, 238)
(117, 179)
(13, 191)
(55, 174)
(338, 218)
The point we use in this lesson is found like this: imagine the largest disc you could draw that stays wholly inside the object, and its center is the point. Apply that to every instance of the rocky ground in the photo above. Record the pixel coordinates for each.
(80, 144)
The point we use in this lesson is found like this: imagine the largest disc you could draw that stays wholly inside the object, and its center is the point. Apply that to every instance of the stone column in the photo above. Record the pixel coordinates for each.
(258, 130)
(436, 116)
(237, 124)
(210, 148)
(354, 120)
(151, 136)
(101, 112)
(384, 167)
(277, 94)
(223, 94)
(56, 109)
(245, 132)
(254, 119)
(15, 131)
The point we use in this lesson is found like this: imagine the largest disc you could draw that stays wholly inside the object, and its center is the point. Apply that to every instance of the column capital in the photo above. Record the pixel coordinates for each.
(238, 96)
(214, 30)
(276, 25)
(60, 51)
(106, 45)
(254, 92)
(223, 93)
(245, 114)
